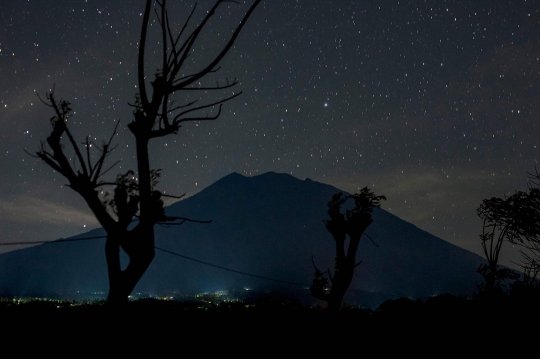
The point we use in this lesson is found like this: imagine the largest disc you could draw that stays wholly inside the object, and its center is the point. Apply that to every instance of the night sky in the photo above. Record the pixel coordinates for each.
(434, 104)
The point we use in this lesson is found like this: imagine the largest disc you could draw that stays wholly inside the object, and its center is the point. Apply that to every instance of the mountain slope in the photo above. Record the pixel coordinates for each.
(268, 226)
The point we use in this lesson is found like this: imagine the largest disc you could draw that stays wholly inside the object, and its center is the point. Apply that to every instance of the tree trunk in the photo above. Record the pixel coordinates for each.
(112, 254)
(140, 254)
(341, 282)
(139, 246)
(335, 299)
(137, 243)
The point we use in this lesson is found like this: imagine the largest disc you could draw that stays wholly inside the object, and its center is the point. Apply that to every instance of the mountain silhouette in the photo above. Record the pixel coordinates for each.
(264, 234)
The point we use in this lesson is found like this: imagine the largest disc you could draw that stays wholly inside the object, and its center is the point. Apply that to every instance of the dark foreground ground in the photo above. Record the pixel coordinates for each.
(439, 327)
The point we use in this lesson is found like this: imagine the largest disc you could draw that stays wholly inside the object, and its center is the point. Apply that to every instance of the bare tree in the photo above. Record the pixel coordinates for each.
(155, 115)
(497, 227)
(530, 242)
(352, 223)
(514, 219)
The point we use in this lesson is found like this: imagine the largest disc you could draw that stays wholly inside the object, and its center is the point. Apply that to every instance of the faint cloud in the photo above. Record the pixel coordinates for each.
(33, 209)
(440, 201)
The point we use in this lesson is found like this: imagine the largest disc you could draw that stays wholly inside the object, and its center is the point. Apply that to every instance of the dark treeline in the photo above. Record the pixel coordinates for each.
(443, 319)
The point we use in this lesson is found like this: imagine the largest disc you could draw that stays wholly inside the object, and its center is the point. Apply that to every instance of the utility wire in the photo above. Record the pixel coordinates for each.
(51, 242)
(228, 269)
(163, 250)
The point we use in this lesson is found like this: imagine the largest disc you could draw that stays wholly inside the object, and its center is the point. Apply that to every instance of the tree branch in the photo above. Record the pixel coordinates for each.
(176, 119)
(226, 49)
(142, 45)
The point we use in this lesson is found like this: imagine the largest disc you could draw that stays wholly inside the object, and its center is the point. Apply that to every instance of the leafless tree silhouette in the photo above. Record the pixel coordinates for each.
(156, 114)
(530, 243)
(516, 219)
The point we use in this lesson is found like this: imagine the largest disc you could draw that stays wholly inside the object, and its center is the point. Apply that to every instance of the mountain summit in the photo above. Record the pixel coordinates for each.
(266, 232)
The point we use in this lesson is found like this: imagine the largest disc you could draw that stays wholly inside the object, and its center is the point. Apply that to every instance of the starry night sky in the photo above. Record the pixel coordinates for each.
(433, 103)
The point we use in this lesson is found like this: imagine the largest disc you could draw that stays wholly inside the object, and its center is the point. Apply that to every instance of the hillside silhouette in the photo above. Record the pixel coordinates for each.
(267, 229)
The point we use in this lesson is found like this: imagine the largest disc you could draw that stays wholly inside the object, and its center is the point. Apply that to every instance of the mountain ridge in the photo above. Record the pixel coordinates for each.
(269, 225)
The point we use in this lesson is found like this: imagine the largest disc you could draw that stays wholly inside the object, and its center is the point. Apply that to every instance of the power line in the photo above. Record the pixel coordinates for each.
(161, 249)
(51, 242)
(228, 269)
